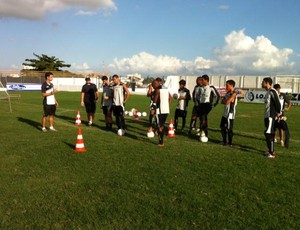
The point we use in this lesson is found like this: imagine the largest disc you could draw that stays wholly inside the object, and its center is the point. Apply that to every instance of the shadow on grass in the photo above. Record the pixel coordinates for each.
(72, 146)
(66, 118)
(32, 123)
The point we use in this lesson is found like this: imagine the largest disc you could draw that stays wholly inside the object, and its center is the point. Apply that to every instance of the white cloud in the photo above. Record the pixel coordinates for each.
(223, 7)
(14, 66)
(37, 9)
(80, 67)
(164, 65)
(85, 13)
(242, 54)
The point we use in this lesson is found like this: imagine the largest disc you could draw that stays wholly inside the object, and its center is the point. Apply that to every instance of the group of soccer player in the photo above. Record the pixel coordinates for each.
(204, 96)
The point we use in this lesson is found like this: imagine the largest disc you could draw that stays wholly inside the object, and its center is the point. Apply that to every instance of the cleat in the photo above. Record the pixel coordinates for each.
(52, 129)
(44, 129)
(270, 156)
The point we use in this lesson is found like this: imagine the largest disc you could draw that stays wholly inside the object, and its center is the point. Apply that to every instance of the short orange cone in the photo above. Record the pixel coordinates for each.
(79, 143)
(78, 120)
(171, 131)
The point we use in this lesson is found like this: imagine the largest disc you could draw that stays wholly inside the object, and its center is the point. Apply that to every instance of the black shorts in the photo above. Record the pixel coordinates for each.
(118, 110)
(161, 119)
(204, 109)
(106, 109)
(195, 111)
(90, 106)
(49, 110)
(180, 113)
(226, 123)
(281, 125)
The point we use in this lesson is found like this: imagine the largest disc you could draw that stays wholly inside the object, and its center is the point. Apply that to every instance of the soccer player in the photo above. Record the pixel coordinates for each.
(161, 103)
(89, 96)
(281, 124)
(206, 102)
(183, 100)
(121, 95)
(150, 93)
(107, 101)
(49, 102)
(227, 120)
(195, 94)
(272, 111)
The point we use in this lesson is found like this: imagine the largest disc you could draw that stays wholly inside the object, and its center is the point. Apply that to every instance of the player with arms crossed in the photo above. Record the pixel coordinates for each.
(227, 120)
(183, 100)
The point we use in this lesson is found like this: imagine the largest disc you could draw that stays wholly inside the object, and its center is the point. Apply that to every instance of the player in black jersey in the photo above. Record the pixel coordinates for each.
(89, 96)
(272, 112)
(107, 101)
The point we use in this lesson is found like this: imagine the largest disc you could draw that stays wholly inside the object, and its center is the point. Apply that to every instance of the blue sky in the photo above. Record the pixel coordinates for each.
(155, 37)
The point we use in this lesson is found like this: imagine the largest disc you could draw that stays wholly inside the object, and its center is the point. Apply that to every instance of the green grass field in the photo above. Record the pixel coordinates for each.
(130, 183)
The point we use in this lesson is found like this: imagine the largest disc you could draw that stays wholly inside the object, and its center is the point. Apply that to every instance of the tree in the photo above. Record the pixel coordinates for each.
(45, 63)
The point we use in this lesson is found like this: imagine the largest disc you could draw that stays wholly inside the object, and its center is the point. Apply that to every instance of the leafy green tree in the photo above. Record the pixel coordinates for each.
(45, 63)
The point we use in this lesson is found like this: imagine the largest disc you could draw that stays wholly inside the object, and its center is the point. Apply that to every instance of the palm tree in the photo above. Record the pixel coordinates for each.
(45, 63)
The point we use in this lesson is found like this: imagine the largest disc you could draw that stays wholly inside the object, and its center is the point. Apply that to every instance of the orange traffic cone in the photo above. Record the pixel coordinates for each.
(171, 131)
(78, 120)
(79, 143)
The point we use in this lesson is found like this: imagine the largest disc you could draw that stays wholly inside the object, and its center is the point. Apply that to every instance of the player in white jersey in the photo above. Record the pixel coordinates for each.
(206, 98)
(49, 101)
(272, 111)
(227, 120)
(121, 95)
(281, 124)
(183, 100)
(107, 101)
(161, 103)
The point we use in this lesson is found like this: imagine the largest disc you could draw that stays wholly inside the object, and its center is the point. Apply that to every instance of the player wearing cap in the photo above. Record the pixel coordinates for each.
(89, 96)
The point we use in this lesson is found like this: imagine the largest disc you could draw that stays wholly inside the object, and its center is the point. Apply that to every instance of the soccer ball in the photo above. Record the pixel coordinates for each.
(150, 134)
(121, 132)
(139, 114)
(204, 139)
(144, 114)
(175, 96)
(134, 111)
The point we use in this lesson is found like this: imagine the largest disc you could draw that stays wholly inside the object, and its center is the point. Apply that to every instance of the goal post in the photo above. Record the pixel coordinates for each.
(4, 95)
